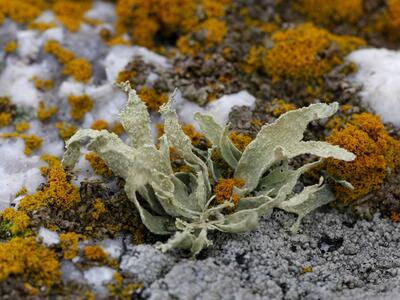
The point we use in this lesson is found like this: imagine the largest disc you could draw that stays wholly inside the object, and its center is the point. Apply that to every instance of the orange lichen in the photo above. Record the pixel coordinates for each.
(377, 155)
(95, 253)
(240, 140)
(214, 8)
(125, 75)
(22, 126)
(40, 26)
(32, 142)
(279, 107)
(99, 209)
(43, 84)
(71, 13)
(117, 128)
(254, 59)
(330, 12)
(44, 113)
(18, 221)
(395, 217)
(65, 130)
(5, 119)
(22, 191)
(99, 125)
(58, 192)
(98, 164)
(79, 106)
(69, 243)
(306, 269)
(10, 47)
(224, 188)
(61, 54)
(20, 11)
(144, 19)
(79, 69)
(119, 291)
(152, 98)
(296, 52)
(23, 257)
(195, 136)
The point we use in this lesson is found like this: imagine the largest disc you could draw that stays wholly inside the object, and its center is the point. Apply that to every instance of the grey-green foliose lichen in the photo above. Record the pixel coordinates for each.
(181, 203)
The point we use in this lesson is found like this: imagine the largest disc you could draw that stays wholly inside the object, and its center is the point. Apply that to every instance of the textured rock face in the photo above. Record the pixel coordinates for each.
(334, 257)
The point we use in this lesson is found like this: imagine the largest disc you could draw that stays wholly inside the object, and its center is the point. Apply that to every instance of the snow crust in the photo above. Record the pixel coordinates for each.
(379, 74)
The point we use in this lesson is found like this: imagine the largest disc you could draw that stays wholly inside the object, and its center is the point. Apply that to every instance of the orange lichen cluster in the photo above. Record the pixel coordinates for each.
(143, 19)
(10, 47)
(17, 221)
(32, 142)
(195, 136)
(20, 11)
(214, 8)
(79, 106)
(58, 192)
(99, 125)
(296, 52)
(78, 68)
(95, 253)
(65, 130)
(22, 126)
(152, 98)
(69, 243)
(43, 84)
(44, 113)
(224, 188)
(389, 22)
(71, 13)
(120, 291)
(98, 164)
(254, 59)
(214, 31)
(330, 12)
(117, 128)
(23, 257)
(99, 209)
(377, 155)
(5, 119)
(40, 26)
(240, 140)
(279, 107)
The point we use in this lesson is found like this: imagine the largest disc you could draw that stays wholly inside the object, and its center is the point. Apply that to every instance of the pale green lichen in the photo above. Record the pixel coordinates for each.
(182, 203)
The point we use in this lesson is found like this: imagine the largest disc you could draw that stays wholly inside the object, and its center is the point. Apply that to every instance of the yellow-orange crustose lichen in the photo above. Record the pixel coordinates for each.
(69, 243)
(20, 11)
(43, 84)
(23, 257)
(71, 13)
(99, 209)
(44, 113)
(254, 59)
(5, 119)
(65, 130)
(143, 19)
(58, 192)
(17, 221)
(152, 99)
(120, 291)
(95, 253)
(22, 126)
(99, 125)
(10, 47)
(279, 107)
(297, 53)
(41, 26)
(329, 12)
(98, 164)
(79, 105)
(78, 68)
(377, 154)
(214, 8)
(32, 142)
(240, 140)
(224, 188)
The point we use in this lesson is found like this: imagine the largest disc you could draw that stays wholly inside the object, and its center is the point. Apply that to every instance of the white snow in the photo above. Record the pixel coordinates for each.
(119, 57)
(49, 237)
(16, 81)
(97, 277)
(218, 109)
(379, 74)
(17, 171)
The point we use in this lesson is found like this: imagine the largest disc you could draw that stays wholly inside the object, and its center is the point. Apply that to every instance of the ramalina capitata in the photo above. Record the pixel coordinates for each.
(181, 204)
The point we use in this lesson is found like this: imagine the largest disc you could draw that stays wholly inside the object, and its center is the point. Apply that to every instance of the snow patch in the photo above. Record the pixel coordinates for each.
(49, 237)
(379, 74)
